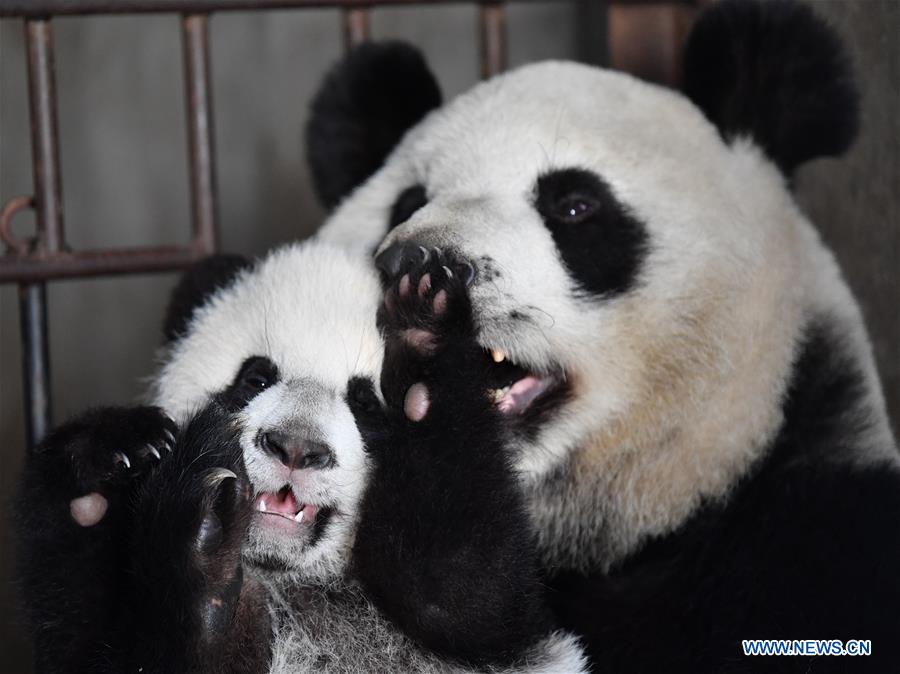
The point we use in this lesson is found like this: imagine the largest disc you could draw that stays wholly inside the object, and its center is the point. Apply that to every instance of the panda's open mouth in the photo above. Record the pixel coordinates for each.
(515, 390)
(283, 504)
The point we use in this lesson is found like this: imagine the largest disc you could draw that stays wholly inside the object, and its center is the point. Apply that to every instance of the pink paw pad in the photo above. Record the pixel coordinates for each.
(88, 510)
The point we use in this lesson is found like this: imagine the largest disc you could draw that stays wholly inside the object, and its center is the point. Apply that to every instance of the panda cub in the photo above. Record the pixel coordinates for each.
(300, 521)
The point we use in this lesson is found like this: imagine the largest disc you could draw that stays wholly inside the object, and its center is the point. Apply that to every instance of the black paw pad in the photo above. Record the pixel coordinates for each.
(428, 300)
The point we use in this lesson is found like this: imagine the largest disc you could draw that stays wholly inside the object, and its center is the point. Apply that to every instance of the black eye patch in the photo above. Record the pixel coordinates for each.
(601, 242)
(366, 409)
(408, 202)
(255, 375)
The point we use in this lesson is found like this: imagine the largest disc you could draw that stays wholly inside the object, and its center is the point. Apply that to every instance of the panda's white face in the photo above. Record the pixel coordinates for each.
(284, 346)
(628, 262)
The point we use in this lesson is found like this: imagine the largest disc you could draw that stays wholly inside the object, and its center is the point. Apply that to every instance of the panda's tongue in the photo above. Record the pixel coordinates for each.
(522, 393)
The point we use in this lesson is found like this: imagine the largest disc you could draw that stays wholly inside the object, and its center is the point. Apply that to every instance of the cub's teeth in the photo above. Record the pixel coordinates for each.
(498, 355)
(298, 517)
(262, 505)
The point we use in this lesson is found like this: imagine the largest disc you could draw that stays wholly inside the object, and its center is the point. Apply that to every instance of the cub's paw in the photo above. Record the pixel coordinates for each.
(428, 303)
(431, 354)
(110, 446)
(98, 455)
(225, 515)
(190, 524)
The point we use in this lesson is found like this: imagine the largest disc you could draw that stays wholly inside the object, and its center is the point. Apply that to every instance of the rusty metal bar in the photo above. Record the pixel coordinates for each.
(646, 38)
(47, 202)
(44, 8)
(35, 361)
(492, 33)
(99, 263)
(357, 26)
(44, 137)
(201, 142)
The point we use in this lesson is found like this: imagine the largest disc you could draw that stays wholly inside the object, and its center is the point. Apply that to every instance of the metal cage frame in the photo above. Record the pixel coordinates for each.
(644, 37)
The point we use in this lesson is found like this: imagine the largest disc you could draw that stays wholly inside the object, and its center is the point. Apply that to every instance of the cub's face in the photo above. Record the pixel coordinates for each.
(614, 237)
(286, 346)
(306, 461)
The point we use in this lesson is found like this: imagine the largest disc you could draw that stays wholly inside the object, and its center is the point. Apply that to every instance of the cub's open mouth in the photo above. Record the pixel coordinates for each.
(515, 390)
(284, 505)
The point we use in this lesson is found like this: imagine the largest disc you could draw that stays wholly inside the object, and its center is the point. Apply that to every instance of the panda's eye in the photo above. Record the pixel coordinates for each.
(575, 209)
(257, 381)
(257, 373)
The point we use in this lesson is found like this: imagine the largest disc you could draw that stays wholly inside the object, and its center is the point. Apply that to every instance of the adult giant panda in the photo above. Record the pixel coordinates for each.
(700, 426)
(272, 532)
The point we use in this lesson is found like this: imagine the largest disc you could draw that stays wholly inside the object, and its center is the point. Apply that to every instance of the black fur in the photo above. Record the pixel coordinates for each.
(365, 105)
(777, 72)
(196, 286)
(806, 547)
(601, 242)
(136, 590)
(408, 202)
(445, 547)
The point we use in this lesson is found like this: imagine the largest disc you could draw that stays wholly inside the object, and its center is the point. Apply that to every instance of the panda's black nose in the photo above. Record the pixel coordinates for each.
(296, 452)
(397, 257)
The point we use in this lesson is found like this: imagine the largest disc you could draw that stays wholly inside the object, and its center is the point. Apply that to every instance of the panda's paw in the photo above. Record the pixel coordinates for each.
(111, 446)
(216, 546)
(429, 303)
(191, 519)
(97, 456)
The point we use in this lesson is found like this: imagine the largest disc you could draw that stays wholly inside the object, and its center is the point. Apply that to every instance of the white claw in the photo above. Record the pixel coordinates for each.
(169, 435)
(168, 447)
(216, 475)
(123, 457)
(298, 517)
(424, 253)
(154, 452)
(447, 269)
(262, 505)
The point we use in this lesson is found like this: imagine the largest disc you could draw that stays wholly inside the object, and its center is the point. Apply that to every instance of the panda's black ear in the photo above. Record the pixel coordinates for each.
(775, 71)
(365, 104)
(196, 287)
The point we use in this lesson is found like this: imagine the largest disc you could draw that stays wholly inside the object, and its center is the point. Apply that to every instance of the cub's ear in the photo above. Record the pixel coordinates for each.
(196, 287)
(365, 104)
(774, 71)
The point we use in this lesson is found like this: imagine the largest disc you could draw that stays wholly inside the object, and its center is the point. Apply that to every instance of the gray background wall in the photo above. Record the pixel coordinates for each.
(124, 174)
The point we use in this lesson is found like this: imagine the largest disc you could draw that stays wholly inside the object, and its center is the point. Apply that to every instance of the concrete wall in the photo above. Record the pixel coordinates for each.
(124, 174)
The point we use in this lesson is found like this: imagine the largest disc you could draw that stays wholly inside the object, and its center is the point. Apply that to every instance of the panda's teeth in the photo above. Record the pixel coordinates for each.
(299, 516)
(497, 355)
(262, 505)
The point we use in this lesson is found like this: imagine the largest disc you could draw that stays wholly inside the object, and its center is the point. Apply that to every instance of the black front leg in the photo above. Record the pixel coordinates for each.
(73, 521)
(197, 611)
(445, 547)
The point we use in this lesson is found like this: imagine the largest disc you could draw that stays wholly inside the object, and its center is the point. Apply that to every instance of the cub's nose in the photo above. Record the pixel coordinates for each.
(397, 257)
(296, 452)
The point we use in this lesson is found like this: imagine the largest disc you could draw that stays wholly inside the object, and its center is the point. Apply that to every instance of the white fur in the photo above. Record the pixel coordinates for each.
(342, 633)
(679, 383)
